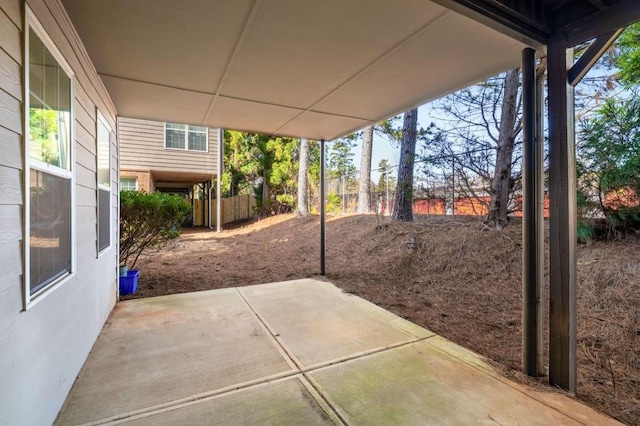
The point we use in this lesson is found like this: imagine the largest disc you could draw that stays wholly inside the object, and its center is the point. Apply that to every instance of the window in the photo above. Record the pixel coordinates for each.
(104, 183)
(49, 211)
(182, 136)
(128, 184)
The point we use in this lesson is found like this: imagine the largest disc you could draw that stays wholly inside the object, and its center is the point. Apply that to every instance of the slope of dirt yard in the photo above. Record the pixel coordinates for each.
(452, 276)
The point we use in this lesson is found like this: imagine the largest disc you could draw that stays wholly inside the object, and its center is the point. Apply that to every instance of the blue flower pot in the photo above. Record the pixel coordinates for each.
(129, 284)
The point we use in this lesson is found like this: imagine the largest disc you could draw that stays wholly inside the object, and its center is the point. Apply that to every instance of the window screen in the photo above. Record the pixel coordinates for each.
(50, 228)
(50, 177)
(104, 184)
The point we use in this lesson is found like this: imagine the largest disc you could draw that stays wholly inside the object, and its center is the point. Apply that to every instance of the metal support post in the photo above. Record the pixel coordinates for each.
(532, 218)
(219, 171)
(322, 207)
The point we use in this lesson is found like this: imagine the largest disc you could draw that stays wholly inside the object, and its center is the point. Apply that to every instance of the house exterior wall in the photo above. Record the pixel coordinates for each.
(142, 148)
(44, 345)
(143, 177)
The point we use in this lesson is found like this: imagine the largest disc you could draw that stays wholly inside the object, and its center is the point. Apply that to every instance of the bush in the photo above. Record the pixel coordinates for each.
(334, 204)
(610, 153)
(148, 221)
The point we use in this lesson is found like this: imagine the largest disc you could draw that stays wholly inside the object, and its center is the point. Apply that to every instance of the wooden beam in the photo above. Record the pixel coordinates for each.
(563, 218)
(590, 56)
(496, 18)
(618, 15)
(600, 4)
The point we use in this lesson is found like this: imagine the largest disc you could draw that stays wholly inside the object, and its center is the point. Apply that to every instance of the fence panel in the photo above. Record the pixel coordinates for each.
(233, 208)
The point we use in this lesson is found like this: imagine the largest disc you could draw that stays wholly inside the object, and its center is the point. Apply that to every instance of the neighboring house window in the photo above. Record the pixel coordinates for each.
(49, 157)
(182, 136)
(104, 183)
(128, 184)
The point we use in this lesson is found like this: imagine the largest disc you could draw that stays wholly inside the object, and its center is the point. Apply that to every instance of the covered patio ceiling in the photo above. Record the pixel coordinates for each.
(322, 69)
(316, 69)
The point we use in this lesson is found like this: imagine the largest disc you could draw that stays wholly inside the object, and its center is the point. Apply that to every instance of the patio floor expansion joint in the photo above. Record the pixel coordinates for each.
(298, 370)
(307, 381)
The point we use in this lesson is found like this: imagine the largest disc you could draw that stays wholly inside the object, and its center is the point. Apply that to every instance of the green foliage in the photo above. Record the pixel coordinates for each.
(586, 231)
(629, 55)
(610, 155)
(283, 169)
(241, 163)
(386, 182)
(314, 164)
(148, 221)
(44, 133)
(341, 157)
(254, 160)
(334, 204)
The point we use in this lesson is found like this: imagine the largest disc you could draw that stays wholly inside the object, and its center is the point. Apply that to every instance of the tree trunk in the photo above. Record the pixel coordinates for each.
(266, 190)
(364, 188)
(403, 202)
(501, 183)
(303, 166)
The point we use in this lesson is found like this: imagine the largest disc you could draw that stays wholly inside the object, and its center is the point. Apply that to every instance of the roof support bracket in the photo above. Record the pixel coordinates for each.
(590, 56)
(618, 15)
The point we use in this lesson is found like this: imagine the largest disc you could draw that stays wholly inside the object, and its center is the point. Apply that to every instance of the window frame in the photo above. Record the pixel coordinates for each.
(186, 138)
(31, 22)
(135, 180)
(99, 186)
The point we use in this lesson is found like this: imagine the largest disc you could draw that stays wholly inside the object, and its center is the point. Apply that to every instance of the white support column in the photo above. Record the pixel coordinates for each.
(220, 170)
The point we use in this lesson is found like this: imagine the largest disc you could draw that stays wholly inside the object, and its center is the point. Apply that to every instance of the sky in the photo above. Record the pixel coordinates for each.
(383, 149)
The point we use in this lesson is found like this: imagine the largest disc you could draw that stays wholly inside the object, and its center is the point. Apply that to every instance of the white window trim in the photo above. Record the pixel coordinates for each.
(135, 179)
(30, 300)
(186, 139)
(103, 120)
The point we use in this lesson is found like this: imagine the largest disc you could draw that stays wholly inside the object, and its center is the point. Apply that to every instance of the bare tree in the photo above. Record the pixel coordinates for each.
(303, 167)
(508, 131)
(403, 202)
(479, 148)
(364, 188)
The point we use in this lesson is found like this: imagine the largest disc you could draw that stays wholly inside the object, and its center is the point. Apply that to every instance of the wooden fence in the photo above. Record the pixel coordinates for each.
(233, 208)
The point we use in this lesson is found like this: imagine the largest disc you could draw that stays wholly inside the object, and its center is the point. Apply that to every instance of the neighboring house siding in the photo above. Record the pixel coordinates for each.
(43, 348)
(142, 148)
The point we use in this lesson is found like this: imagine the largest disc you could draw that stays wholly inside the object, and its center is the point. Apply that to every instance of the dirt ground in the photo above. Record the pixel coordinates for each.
(452, 276)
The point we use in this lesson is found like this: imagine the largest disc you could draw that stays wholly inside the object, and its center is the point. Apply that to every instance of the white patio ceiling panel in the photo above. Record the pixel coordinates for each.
(137, 99)
(440, 59)
(308, 68)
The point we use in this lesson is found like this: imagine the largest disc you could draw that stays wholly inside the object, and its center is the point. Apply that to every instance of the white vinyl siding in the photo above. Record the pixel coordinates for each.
(142, 147)
(46, 337)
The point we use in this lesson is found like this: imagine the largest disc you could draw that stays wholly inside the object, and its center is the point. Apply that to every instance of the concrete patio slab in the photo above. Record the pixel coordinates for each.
(286, 402)
(419, 384)
(297, 352)
(321, 323)
(162, 349)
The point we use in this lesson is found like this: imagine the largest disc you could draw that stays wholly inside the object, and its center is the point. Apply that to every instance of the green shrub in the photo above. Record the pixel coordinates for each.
(148, 221)
(334, 204)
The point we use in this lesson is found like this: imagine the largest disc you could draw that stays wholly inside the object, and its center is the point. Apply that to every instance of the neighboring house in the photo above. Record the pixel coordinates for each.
(169, 157)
